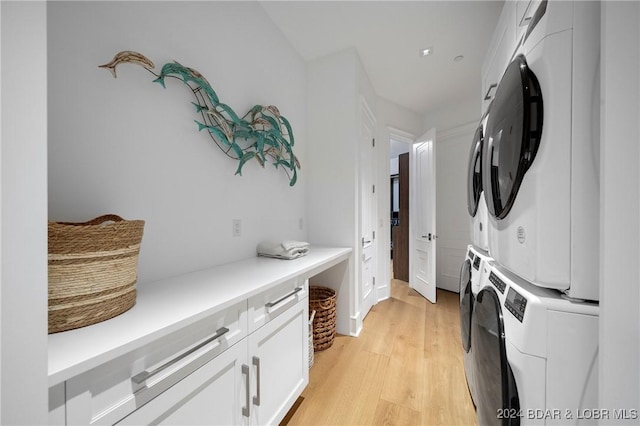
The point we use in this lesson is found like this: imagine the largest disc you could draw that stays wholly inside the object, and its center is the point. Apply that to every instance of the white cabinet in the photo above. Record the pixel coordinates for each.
(245, 365)
(507, 37)
(279, 354)
(57, 415)
(211, 395)
(108, 393)
(228, 345)
(501, 49)
(525, 10)
(269, 304)
(523, 14)
(255, 382)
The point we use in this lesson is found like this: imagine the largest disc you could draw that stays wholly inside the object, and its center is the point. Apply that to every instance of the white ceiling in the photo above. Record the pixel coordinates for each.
(388, 36)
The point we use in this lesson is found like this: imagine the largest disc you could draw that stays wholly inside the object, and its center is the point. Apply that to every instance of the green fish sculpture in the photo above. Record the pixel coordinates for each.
(262, 133)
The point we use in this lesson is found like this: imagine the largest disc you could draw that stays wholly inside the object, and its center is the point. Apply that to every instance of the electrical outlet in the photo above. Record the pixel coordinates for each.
(237, 227)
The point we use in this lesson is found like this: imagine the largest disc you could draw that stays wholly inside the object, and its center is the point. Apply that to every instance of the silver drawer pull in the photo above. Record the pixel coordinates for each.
(145, 375)
(246, 411)
(256, 362)
(488, 95)
(272, 304)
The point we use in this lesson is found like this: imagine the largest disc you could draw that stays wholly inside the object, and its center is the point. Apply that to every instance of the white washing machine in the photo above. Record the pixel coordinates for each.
(535, 353)
(476, 204)
(470, 281)
(540, 171)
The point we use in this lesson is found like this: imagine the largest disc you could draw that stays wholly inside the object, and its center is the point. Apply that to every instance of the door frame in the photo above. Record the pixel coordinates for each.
(366, 113)
(408, 138)
(428, 137)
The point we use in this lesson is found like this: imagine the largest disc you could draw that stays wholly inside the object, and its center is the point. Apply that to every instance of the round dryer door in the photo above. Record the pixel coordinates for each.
(466, 305)
(512, 136)
(497, 397)
(474, 178)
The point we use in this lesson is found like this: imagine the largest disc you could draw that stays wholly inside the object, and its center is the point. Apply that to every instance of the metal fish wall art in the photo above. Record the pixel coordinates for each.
(262, 133)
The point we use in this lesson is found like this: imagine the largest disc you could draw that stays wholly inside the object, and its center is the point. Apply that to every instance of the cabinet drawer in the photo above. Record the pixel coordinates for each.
(269, 304)
(113, 390)
(212, 395)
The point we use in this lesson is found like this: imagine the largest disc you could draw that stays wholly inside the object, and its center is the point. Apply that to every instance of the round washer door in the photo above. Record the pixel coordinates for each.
(466, 305)
(512, 136)
(497, 397)
(474, 176)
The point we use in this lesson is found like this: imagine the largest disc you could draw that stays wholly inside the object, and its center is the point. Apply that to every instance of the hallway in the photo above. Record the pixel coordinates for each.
(404, 368)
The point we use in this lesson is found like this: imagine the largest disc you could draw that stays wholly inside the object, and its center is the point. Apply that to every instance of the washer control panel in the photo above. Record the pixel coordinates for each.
(476, 263)
(470, 255)
(516, 304)
(497, 282)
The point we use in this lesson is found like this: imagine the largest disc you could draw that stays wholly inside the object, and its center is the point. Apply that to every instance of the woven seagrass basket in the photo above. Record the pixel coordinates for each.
(311, 354)
(323, 301)
(92, 270)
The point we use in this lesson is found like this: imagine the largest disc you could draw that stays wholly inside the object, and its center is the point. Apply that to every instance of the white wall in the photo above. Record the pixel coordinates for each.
(455, 125)
(619, 372)
(332, 173)
(130, 147)
(23, 201)
(448, 117)
(452, 218)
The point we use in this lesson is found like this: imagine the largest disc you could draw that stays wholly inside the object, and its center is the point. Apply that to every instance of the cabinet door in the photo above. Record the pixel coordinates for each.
(499, 55)
(57, 408)
(279, 359)
(214, 394)
(525, 9)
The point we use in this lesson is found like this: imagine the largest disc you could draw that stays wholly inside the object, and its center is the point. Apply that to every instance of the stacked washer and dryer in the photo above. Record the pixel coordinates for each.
(529, 287)
(477, 252)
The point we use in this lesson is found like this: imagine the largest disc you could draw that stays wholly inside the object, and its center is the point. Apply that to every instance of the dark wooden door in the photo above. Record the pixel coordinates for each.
(401, 234)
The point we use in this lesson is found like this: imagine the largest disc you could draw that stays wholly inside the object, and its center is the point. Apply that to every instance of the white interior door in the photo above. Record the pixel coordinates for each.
(422, 233)
(367, 212)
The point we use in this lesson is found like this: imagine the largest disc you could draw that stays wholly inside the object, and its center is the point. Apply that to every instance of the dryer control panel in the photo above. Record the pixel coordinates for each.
(497, 282)
(516, 304)
(476, 263)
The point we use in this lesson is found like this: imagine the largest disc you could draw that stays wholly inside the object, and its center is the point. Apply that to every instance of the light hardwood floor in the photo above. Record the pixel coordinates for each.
(405, 368)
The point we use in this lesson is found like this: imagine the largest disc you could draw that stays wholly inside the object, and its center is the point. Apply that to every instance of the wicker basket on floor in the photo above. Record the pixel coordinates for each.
(92, 270)
(323, 301)
(311, 351)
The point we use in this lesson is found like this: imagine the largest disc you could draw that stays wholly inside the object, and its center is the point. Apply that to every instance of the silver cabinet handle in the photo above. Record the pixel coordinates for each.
(246, 411)
(286, 296)
(256, 362)
(365, 241)
(488, 95)
(145, 375)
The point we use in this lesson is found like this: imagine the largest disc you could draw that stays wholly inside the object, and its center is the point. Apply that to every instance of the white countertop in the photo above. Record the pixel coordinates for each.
(170, 304)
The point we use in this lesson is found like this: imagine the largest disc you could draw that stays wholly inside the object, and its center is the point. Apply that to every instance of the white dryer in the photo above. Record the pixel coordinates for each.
(470, 281)
(540, 169)
(476, 204)
(535, 353)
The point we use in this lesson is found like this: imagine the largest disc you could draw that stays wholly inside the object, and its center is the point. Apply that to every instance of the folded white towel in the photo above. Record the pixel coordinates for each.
(292, 244)
(283, 250)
